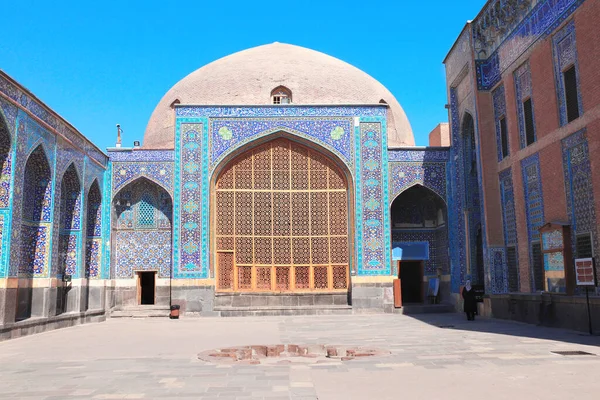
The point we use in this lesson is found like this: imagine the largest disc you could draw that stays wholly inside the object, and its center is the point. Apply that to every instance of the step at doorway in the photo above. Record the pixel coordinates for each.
(146, 287)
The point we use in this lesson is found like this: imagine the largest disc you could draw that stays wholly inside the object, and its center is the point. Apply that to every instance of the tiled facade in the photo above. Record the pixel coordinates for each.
(546, 177)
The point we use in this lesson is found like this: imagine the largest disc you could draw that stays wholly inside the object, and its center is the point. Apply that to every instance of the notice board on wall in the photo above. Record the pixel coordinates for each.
(585, 272)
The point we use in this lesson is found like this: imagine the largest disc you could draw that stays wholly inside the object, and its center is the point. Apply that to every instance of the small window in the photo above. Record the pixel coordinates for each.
(583, 246)
(571, 95)
(529, 128)
(281, 95)
(504, 137)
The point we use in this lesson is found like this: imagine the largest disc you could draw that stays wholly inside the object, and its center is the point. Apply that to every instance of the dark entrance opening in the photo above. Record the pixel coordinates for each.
(146, 287)
(411, 281)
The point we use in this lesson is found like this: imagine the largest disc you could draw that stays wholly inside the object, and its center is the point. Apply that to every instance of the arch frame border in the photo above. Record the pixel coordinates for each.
(195, 264)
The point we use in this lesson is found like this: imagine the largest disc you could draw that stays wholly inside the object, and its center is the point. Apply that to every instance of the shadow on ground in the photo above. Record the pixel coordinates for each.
(457, 321)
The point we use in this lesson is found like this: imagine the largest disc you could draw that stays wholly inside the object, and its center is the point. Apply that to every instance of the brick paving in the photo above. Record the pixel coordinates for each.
(432, 356)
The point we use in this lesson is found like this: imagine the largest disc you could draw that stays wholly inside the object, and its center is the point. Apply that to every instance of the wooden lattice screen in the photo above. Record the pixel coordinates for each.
(282, 222)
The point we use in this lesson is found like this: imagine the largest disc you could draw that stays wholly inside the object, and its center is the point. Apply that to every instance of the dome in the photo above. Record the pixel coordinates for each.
(249, 76)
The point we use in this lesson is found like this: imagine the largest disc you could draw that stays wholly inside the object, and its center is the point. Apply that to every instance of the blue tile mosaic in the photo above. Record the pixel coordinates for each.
(540, 22)
(499, 101)
(523, 90)
(565, 55)
(579, 189)
(229, 134)
(403, 175)
(534, 203)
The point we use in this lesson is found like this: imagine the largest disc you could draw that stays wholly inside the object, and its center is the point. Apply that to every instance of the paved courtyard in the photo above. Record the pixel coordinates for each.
(432, 357)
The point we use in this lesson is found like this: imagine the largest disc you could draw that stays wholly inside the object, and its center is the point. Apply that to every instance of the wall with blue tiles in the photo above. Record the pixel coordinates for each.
(42, 229)
(534, 209)
(207, 137)
(538, 23)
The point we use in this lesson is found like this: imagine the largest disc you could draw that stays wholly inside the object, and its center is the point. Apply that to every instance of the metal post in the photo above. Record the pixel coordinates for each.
(587, 298)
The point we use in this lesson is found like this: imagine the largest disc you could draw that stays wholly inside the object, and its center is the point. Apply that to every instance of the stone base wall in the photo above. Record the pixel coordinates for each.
(42, 324)
(194, 300)
(250, 300)
(126, 296)
(372, 297)
(552, 310)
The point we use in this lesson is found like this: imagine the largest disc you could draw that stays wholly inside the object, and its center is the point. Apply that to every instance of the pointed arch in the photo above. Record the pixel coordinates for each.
(141, 229)
(281, 95)
(281, 218)
(93, 238)
(419, 221)
(284, 132)
(422, 184)
(69, 234)
(36, 213)
(274, 134)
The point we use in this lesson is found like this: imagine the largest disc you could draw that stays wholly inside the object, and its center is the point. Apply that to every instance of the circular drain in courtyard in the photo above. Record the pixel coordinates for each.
(289, 354)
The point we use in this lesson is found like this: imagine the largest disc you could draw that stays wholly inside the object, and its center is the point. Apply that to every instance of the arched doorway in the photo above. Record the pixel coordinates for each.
(141, 239)
(472, 210)
(35, 227)
(420, 230)
(281, 221)
(70, 225)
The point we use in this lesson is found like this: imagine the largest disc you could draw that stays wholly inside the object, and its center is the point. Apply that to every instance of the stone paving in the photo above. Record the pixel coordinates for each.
(432, 357)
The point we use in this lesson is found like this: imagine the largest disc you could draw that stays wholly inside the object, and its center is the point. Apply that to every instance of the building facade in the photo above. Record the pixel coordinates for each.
(521, 78)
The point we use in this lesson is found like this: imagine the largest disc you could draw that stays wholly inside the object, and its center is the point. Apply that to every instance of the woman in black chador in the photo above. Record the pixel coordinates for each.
(468, 294)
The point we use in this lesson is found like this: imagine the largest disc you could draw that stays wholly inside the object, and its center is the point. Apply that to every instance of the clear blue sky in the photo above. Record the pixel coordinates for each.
(98, 63)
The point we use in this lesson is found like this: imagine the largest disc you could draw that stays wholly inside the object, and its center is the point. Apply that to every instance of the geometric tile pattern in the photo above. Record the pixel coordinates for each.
(456, 239)
(142, 230)
(228, 133)
(500, 112)
(579, 188)
(438, 246)
(190, 203)
(509, 221)
(93, 257)
(36, 213)
(5, 167)
(126, 172)
(68, 254)
(373, 202)
(142, 251)
(499, 279)
(93, 232)
(534, 205)
(70, 222)
(403, 175)
(35, 219)
(565, 55)
(523, 91)
(205, 136)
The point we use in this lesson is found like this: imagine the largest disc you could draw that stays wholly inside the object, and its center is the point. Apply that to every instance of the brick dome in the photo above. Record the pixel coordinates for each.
(249, 76)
